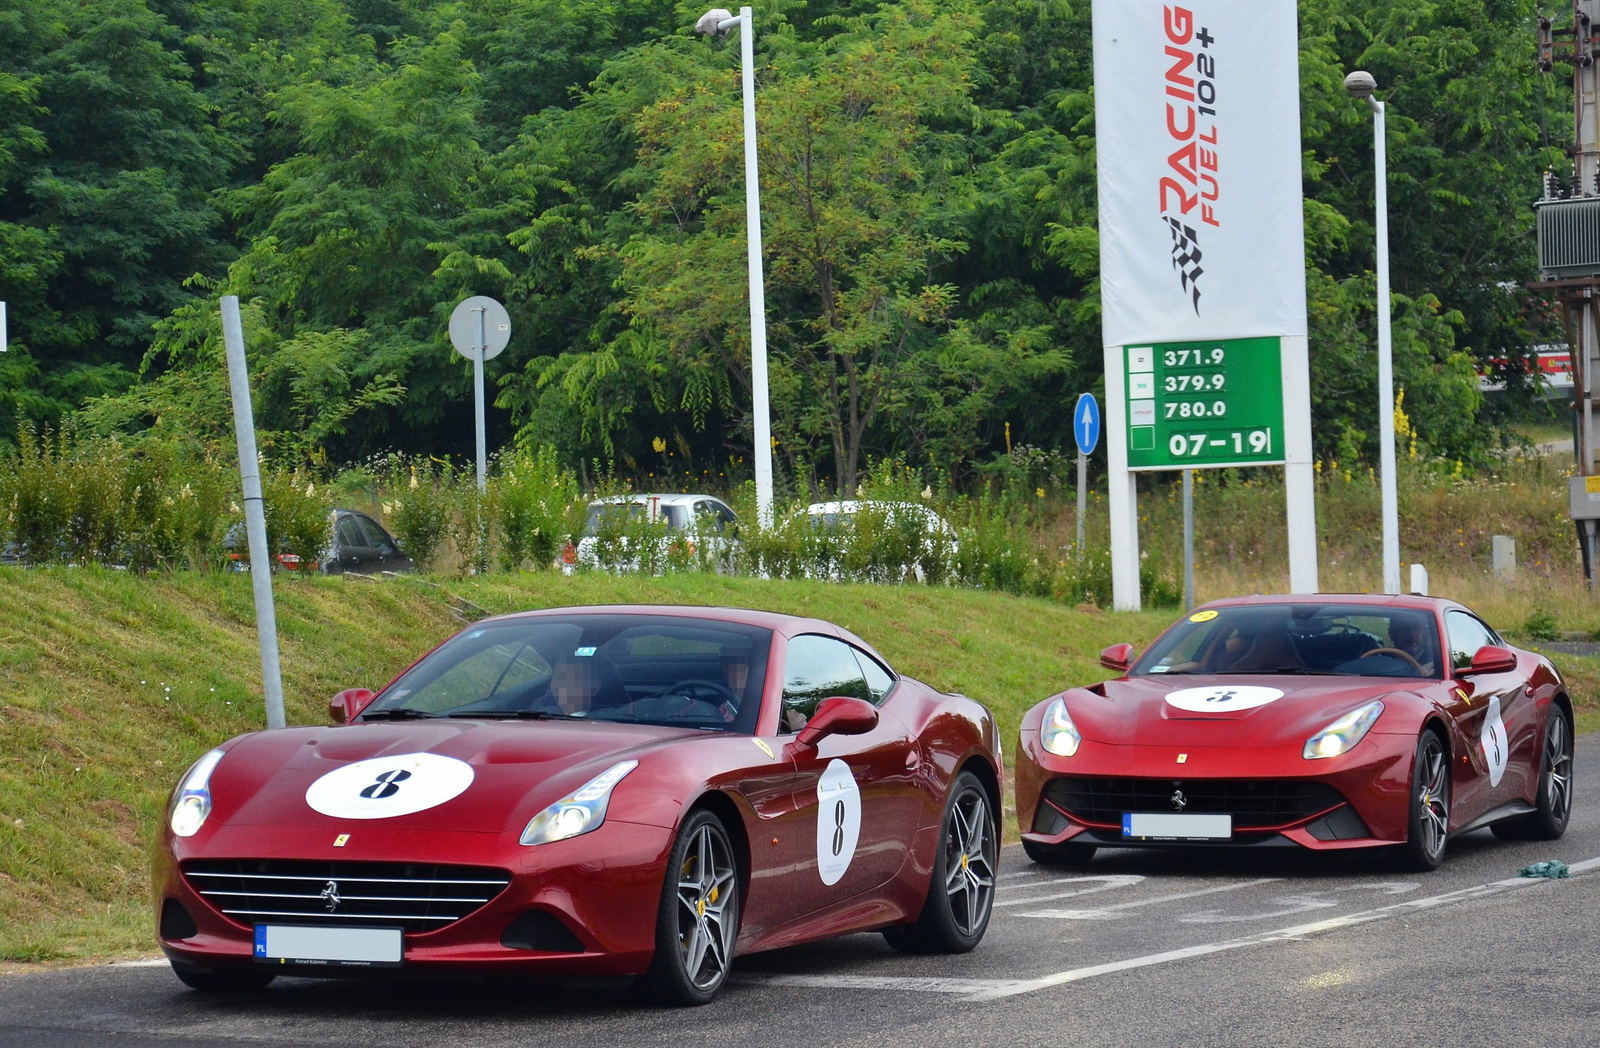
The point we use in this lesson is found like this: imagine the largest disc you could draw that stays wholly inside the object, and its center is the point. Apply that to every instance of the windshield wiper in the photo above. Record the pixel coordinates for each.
(1281, 671)
(511, 715)
(398, 713)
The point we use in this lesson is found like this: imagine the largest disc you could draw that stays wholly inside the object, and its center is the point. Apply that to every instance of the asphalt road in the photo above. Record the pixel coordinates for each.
(1142, 948)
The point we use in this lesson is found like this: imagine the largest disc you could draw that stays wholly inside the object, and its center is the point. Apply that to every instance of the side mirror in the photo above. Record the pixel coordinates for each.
(1491, 658)
(348, 704)
(839, 715)
(1118, 657)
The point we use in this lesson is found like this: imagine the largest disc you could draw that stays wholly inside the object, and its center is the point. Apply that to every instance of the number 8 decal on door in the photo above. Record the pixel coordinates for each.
(837, 832)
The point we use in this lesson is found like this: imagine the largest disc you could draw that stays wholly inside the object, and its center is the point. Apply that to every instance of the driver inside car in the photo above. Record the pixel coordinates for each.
(579, 686)
(1408, 636)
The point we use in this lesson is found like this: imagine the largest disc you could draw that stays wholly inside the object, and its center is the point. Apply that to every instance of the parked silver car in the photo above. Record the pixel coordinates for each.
(696, 526)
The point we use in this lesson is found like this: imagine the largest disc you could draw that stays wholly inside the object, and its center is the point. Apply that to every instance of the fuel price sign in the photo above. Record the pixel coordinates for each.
(1194, 405)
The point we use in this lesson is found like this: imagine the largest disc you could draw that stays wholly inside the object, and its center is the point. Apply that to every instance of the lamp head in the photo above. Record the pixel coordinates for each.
(1360, 84)
(710, 22)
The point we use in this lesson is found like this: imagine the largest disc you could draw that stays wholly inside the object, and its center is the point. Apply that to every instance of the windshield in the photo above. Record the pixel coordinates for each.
(1340, 639)
(638, 669)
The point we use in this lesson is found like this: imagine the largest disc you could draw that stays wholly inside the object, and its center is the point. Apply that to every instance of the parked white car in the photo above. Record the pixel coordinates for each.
(939, 536)
(698, 526)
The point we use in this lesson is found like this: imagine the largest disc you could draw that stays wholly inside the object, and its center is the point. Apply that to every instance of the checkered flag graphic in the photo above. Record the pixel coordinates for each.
(1186, 259)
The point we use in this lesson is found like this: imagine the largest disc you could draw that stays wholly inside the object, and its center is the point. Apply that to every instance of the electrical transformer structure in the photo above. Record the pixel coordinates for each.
(1569, 249)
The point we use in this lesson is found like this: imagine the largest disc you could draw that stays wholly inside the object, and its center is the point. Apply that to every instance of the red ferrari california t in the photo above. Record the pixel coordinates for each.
(590, 792)
(1320, 722)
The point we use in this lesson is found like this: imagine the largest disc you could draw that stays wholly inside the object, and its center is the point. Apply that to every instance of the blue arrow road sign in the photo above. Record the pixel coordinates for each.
(1086, 423)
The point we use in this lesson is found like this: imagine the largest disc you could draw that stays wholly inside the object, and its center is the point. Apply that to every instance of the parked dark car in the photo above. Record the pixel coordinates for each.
(356, 543)
(360, 544)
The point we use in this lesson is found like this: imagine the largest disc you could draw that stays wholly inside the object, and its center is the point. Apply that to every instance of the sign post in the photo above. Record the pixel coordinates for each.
(480, 328)
(1086, 431)
(1202, 256)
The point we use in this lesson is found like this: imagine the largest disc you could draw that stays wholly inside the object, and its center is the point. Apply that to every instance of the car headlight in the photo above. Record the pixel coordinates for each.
(191, 802)
(578, 812)
(1057, 732)
(1342, 735)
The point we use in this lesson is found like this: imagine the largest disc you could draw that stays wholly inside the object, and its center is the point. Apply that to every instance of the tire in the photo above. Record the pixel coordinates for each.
(698, 921)
(236, 978)
(1428, 823)
(961, 890)
(1059, 854)
(1553, 807)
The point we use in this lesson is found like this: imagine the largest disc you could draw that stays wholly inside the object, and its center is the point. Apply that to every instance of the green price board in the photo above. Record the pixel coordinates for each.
(1193, 405)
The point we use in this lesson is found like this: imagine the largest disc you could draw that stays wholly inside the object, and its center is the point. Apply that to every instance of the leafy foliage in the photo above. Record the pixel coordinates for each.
(353, 168)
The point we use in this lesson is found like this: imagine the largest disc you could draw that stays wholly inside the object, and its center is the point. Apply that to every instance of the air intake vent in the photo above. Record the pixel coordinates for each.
(419, 897)
(1569, 237)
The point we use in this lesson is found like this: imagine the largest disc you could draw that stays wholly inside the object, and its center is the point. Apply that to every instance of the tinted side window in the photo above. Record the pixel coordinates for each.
(817, 668)
(350, 535)
(376, 536)
(1467, 635)
(706, 519)
(879, 680)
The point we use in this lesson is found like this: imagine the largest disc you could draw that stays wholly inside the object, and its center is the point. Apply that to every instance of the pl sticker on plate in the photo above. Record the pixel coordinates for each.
(838, 820)
(1222, 698)
(386, 787)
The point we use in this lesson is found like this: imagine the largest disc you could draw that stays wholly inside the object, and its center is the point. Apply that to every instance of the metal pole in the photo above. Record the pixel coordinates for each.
(483, 455)
(1391, 508)
(477, 393)
(1188, 540)
(1083, 495)
(1122, 497)
(255, 521)
(758, 299)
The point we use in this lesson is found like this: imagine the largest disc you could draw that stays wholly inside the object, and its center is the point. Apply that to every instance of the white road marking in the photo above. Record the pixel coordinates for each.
(908, 983)
(1105, 913)
(997, 989)
(157, 963)
(1300, 902)
(1292, 933)
(1108, 882)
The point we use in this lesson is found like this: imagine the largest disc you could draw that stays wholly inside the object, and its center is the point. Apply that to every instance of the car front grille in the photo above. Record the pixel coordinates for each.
(1251, 802)
(419, 897)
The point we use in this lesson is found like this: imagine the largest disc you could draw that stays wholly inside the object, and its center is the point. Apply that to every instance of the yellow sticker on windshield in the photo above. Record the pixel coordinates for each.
(1203, 616)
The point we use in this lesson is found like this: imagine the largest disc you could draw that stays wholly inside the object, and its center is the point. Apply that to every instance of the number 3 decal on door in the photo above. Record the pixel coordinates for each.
(1494, 742)
(838, 821)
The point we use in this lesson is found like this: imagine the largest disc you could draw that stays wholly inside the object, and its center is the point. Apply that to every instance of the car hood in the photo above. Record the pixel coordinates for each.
(507, 772)
(1150, 710)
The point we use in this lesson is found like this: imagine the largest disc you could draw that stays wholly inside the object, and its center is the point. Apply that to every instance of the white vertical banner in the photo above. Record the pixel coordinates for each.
(1197, 122)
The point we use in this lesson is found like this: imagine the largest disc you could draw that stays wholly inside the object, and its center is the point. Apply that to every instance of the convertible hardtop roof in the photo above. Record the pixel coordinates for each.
(787, 625)
(1399, 600)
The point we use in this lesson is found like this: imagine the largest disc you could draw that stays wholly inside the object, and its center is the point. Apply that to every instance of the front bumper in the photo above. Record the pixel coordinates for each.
(1358, 800)
(604, 887)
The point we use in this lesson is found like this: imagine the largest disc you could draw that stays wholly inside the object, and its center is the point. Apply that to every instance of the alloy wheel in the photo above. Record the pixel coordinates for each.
(969, 856)
(1558, 758)
(1433, 800)
(707, 908)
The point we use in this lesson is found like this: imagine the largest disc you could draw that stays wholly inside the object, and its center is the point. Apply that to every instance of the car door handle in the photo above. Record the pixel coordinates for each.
(913, 760)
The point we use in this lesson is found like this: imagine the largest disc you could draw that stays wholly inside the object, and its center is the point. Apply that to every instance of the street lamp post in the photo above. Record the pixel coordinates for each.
(716, 22)
(1361, 84)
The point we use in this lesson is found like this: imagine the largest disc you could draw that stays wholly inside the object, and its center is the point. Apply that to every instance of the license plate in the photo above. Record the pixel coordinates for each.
(339, 947)
(1176, 826)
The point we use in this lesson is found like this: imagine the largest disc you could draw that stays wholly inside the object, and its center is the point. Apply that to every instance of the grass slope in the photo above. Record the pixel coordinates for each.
(110, 684)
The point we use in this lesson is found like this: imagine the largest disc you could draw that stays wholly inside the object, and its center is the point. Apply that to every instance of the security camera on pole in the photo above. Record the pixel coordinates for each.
(480, 328)
(1202, 257)
(715, 23)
